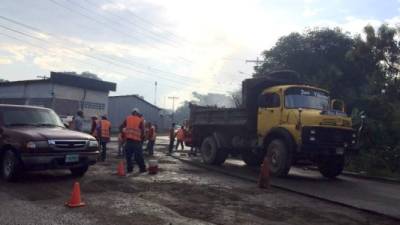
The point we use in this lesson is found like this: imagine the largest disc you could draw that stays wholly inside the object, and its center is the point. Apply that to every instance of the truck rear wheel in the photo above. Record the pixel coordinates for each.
(252, 159)
(210, 152)
(279, 158)
(331, 167)
(11, 166)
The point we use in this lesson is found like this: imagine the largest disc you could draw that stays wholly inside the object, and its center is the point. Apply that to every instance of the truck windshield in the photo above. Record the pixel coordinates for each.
(306, 98)
(30, 117)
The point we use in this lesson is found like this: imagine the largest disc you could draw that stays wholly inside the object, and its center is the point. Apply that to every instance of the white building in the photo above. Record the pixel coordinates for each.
(63, 92)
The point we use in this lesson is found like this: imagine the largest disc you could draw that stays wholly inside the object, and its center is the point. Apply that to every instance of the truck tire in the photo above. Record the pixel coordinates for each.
(331, 167)
(210, 152)
(11, 166)
(279, 158)
(252, 159)
(79, 171)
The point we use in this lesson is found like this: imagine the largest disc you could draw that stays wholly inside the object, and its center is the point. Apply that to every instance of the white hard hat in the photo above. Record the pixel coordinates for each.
(136, 110)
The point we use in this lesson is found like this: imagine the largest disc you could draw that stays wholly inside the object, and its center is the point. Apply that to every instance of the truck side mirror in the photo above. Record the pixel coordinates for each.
(337, 105)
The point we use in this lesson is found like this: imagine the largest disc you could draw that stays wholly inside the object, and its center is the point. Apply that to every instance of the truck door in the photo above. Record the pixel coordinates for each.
(269, 112)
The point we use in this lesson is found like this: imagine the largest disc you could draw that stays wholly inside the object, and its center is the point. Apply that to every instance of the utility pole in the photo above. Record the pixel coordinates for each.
(173, 106)
(258, 62)
(155, 93)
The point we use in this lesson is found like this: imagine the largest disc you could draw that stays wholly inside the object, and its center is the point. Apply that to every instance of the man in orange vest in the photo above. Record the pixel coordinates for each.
(133, 127)
(151, 138)
(103, 134)
(180, 137)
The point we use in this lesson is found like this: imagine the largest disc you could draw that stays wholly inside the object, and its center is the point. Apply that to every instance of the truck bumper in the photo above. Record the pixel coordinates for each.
(57, 160)
(321, 150)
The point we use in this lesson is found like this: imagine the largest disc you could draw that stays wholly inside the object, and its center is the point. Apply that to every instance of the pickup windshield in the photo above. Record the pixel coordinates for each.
(297, 97)
(30, 117)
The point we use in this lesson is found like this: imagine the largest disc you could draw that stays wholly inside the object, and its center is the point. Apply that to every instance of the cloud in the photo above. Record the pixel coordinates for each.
(5, 61)
(309, 12)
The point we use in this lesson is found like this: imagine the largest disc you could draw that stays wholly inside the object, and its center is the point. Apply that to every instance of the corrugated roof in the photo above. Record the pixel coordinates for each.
(68, 80)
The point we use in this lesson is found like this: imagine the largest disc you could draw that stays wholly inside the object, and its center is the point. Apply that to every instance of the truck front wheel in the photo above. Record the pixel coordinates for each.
(331, 167)
(210, 152)
(279, 158)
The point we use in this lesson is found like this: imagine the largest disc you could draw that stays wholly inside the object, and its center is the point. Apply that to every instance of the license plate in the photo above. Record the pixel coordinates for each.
(339, 151)
(71, 158)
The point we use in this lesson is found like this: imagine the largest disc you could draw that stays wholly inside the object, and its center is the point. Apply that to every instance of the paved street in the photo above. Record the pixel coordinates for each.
(372, 195)
(179, 194)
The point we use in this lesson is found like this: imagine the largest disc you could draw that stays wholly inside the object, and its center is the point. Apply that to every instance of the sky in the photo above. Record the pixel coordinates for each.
(182, 45)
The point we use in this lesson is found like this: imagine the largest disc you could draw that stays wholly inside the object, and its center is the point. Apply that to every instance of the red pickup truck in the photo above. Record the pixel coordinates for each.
(34, 138)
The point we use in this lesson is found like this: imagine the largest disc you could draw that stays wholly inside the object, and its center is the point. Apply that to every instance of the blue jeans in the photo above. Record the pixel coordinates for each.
(150, 147)
(134, 149)
(103, 145)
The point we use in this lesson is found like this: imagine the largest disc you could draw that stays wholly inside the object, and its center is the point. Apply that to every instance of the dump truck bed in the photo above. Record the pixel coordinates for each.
(210, 115)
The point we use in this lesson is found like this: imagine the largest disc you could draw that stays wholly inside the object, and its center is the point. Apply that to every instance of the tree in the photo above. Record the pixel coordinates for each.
(363, 71)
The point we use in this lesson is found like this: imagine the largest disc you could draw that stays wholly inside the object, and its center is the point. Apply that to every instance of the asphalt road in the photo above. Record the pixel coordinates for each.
(382, 197)
(179, 194)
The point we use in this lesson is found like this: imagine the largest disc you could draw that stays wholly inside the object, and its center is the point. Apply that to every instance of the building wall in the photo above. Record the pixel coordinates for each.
(70, 99)
(65, 100)
(120, 107)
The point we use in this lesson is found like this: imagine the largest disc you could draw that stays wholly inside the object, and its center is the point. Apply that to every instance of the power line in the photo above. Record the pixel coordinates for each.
(77, 52)
(52, 35)
(150, 23)
(151, 33)
(110, 27)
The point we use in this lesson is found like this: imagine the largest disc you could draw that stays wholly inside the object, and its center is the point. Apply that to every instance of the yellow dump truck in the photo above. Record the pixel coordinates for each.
(281, 118)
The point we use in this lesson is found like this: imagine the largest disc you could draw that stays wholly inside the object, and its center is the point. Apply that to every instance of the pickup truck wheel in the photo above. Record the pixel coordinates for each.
(210, 152)
(252, 159)
(331, 167)
(79, 171)
(11, 166)
(279, 158)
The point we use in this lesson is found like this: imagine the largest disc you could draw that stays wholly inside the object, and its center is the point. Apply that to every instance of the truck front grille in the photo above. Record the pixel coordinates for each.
(327, 136)
(66, 145)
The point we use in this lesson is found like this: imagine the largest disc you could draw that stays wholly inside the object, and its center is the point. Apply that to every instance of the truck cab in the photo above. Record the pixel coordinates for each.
(302, 116)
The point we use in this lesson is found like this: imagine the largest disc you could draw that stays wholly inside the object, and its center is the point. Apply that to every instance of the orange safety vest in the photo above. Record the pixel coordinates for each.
(132, 129)
(180, 135)
(105, 128)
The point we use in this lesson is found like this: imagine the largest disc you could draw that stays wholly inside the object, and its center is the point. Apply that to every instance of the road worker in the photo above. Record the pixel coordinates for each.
(121, 143)
(134, 135)
(93, 128)
(151, 138)
(171, 138)
(78, 121)
(180, 137)
(103, 134)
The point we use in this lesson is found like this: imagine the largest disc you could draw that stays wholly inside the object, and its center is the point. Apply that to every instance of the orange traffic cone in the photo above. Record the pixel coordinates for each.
(75, 200)
(263, 181)
(121, 169)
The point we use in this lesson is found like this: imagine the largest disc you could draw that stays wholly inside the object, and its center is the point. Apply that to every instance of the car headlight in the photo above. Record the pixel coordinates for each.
(36, 144)
(30, 145)
(93, 144)
(354, 135)
(312, 131)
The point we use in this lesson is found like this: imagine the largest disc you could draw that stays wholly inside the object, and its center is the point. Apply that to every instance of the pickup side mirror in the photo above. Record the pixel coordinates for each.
(337, 105)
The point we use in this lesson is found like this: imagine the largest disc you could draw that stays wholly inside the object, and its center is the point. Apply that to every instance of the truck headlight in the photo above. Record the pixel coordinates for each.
(313, 132)
(312, 139)
(36, 144)
(354, 135)
(93, 144)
